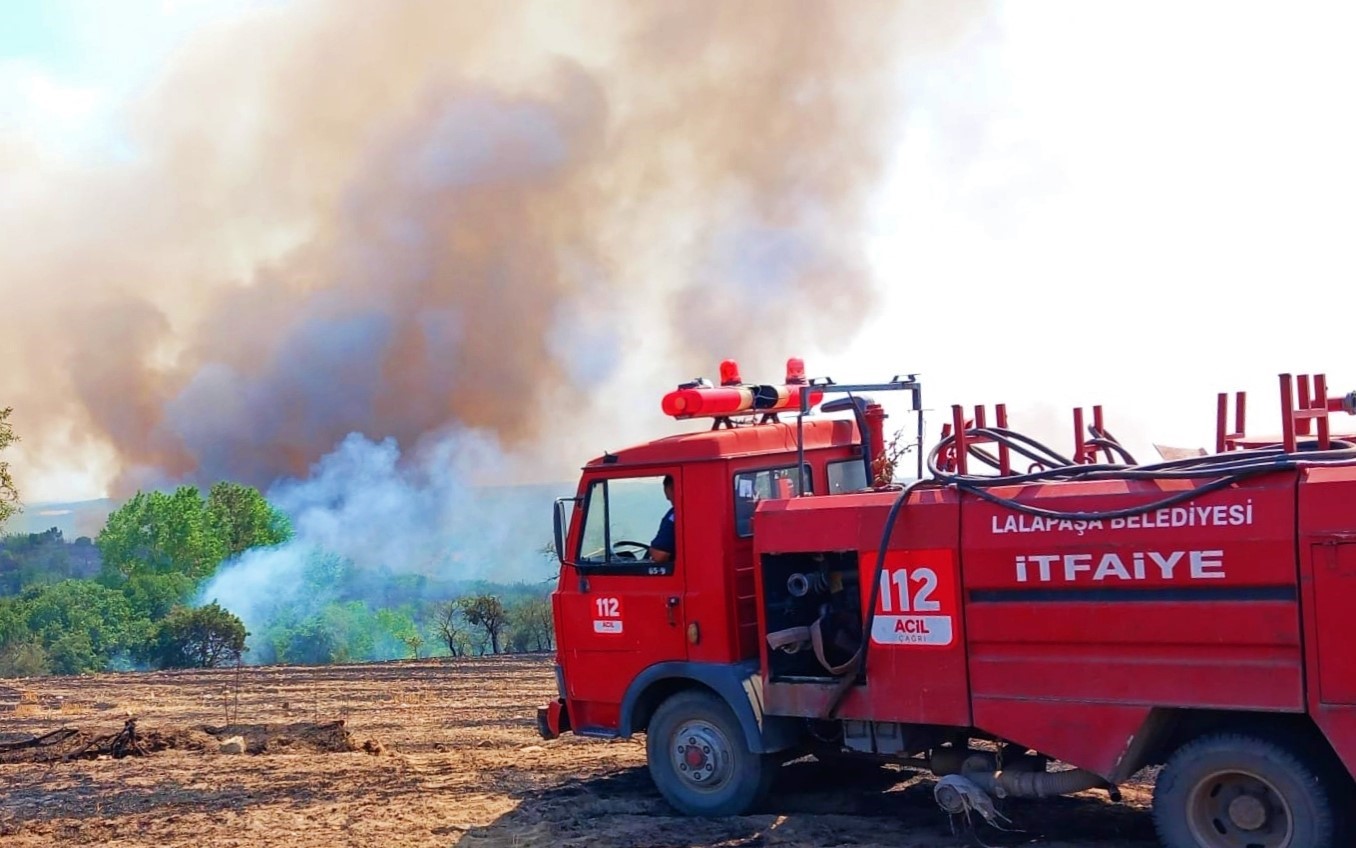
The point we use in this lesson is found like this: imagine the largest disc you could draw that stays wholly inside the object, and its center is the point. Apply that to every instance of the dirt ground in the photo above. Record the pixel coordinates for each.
(431, 753)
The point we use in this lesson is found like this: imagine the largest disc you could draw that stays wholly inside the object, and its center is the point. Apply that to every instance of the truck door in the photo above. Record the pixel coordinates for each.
(1334, 589)
(620, 611)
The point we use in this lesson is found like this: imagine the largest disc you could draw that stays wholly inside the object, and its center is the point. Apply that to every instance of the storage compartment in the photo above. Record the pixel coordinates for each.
(799, 590)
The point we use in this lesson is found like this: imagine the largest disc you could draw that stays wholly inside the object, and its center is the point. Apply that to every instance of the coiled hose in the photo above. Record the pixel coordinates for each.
(1219, 470)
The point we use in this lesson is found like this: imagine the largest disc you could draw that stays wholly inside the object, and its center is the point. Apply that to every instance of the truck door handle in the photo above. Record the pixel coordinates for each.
(671, 606)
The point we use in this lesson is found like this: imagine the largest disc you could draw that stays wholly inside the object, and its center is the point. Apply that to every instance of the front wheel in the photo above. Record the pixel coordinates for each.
(1230, 790)
(699, 760)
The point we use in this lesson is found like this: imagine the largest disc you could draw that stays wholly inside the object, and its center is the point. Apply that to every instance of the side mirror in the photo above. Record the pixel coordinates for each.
(560, 519)
(858, 406)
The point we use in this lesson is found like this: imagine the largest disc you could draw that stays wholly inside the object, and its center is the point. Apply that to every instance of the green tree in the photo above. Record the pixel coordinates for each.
(451, 626)
(395, 629)
(205, 637)
(355, 632)
(161, 533)
(413, 641)
(13, 621)
(24, 659)
(531, 625)
(153, 596)
(9, 493)
(326, 571)
(242, 519)
(82, 624)
(341, 632)
(311, 641)
(486, 612)
(30, 558)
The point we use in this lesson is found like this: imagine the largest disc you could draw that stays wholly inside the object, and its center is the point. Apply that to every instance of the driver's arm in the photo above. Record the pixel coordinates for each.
(660, 555)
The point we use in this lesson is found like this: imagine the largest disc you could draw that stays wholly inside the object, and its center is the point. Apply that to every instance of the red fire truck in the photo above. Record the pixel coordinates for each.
(1007, 610)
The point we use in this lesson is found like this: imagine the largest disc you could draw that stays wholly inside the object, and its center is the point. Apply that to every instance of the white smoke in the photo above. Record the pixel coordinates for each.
(436, 513)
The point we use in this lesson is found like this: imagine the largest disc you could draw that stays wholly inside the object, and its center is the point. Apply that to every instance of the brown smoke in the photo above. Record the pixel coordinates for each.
(396, 218)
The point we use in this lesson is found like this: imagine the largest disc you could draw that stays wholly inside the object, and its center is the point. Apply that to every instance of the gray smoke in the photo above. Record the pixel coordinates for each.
(366, 509)
(400, 217)
(457, 240)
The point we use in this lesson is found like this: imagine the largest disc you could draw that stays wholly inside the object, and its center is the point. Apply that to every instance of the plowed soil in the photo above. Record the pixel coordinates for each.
(431, 753)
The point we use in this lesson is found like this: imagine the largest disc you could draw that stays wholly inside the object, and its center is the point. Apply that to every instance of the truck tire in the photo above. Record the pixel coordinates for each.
(1230, 790)
(699, 759)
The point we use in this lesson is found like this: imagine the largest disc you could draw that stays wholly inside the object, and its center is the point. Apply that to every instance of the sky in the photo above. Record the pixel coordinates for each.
(1150, 204)
(1133, 205)
(66, 66)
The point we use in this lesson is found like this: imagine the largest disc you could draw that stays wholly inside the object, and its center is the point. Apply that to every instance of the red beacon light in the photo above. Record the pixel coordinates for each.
(700, 399)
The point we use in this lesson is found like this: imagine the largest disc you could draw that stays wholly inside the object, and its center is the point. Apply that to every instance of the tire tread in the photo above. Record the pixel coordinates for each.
(1318, 817)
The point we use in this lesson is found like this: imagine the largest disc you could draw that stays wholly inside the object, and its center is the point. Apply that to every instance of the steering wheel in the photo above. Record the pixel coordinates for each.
(630, 544)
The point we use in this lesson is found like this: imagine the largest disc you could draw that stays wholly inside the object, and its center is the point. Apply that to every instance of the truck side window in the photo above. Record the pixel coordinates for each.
(848, 475)
(752, 486)
(593, 541)
(626, 509)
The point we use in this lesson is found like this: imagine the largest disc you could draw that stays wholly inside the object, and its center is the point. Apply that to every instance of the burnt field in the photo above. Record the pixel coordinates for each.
(421, 753)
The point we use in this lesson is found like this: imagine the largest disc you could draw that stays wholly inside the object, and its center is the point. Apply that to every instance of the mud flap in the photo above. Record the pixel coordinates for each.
(553, 719)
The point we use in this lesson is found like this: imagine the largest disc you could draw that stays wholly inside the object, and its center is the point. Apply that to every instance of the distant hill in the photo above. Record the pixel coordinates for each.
(74, 519)
(86, 518)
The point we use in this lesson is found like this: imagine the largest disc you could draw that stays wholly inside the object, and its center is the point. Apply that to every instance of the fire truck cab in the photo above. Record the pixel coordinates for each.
(1192, 614)
(634, 631)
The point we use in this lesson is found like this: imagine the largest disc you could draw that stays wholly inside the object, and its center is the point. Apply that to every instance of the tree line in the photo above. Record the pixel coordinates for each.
(129, 598)
(124, 600)
(9, 494)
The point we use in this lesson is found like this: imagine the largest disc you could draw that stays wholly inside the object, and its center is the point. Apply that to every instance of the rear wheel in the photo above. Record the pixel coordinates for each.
(1239, 791)
(699, 760)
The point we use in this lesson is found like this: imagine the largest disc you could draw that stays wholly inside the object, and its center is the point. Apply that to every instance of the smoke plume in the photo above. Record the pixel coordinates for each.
(385, 530)
(400, 219)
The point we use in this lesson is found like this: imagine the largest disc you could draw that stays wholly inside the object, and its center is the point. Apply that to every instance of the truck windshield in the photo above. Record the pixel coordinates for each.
(622, 510)
(847, 475)
(750, 487)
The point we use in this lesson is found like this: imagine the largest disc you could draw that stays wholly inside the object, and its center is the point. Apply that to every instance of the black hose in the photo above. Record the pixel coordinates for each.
(1223, 470)
(1112, 446)
(1055, 458)
(1049, 473)
(1050, 460)
(986, 458)
(1104, 439)
(1219, 470)
(1100, 515)
(859, 660)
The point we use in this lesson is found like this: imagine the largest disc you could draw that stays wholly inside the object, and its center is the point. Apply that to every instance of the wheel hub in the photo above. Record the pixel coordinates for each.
(701, 755)
(696, 757)
(1248, 812)
(1237, 809)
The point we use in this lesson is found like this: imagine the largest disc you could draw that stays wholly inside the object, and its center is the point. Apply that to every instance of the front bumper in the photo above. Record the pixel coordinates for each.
(553, 719)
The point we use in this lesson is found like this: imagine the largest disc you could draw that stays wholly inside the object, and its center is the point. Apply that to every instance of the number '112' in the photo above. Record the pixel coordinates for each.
(895, 595)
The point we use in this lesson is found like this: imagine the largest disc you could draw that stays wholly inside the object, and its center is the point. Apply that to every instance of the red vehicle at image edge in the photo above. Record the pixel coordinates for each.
(1196, 613)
